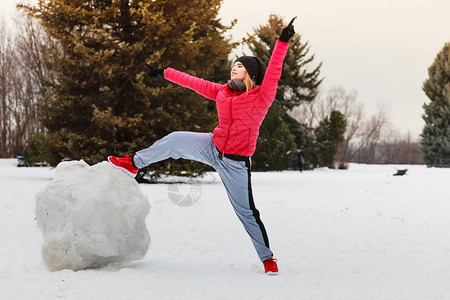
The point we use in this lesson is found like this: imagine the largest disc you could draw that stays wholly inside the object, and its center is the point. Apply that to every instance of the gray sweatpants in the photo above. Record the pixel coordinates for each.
(235, 176)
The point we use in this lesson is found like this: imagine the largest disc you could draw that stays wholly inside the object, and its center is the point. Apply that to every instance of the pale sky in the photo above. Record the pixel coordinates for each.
(381, 49)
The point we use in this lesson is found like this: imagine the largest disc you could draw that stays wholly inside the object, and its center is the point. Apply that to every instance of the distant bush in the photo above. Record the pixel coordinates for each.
(329, 135)
(35, 153)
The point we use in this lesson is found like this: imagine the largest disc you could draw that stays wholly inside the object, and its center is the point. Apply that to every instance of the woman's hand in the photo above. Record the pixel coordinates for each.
(287, 32)
(155, 72)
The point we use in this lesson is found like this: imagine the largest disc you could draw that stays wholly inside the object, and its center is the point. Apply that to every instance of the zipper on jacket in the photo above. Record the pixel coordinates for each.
(229, 127)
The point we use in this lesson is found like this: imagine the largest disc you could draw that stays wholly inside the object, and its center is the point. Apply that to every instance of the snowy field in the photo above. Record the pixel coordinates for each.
(355, 234)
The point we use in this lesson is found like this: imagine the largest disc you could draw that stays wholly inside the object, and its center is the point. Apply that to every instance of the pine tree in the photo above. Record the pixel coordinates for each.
(329, 135)
(436, 133)
(296, 85)
(105, 104)
(276, 146)
(302, 139)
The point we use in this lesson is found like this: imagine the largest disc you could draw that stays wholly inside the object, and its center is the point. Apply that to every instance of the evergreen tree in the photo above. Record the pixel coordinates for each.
(33, 154)
(276, 146)
(436, 133)
(329, 135)
(296, 84)
(104, 103)
(303, 139)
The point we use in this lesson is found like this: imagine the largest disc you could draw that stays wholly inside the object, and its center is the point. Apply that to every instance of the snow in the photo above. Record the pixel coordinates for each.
(91, 216)
(356, 234)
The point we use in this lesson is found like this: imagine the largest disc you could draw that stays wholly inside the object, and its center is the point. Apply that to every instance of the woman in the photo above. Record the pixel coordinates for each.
(242, 104)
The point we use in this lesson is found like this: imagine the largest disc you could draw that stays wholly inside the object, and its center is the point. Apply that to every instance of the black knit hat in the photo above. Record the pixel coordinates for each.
(254, 66)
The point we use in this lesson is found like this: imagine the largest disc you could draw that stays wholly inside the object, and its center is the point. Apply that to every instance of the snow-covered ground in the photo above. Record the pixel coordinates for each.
(355, 234)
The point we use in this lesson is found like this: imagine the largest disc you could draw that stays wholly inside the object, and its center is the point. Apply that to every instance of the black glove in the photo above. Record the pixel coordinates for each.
(155, 72)
(287, 32)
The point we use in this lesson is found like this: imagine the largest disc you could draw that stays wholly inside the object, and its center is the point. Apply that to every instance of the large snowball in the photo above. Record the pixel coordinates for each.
(91, 216)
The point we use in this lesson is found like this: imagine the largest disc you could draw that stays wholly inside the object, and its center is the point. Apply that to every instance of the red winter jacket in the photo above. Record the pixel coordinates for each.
(240, 113)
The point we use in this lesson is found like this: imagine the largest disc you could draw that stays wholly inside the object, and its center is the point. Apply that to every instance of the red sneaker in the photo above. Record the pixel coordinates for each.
(125, 164)
(271, 267)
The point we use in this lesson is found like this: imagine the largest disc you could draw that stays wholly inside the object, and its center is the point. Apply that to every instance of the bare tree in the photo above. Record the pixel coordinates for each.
(367, 139)
(22, 107)
(25, 82)
(336, 99)
(5, 73)
(400, 150)
(345, 102)
(370, 135)
(34, 47)
(305, 113)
